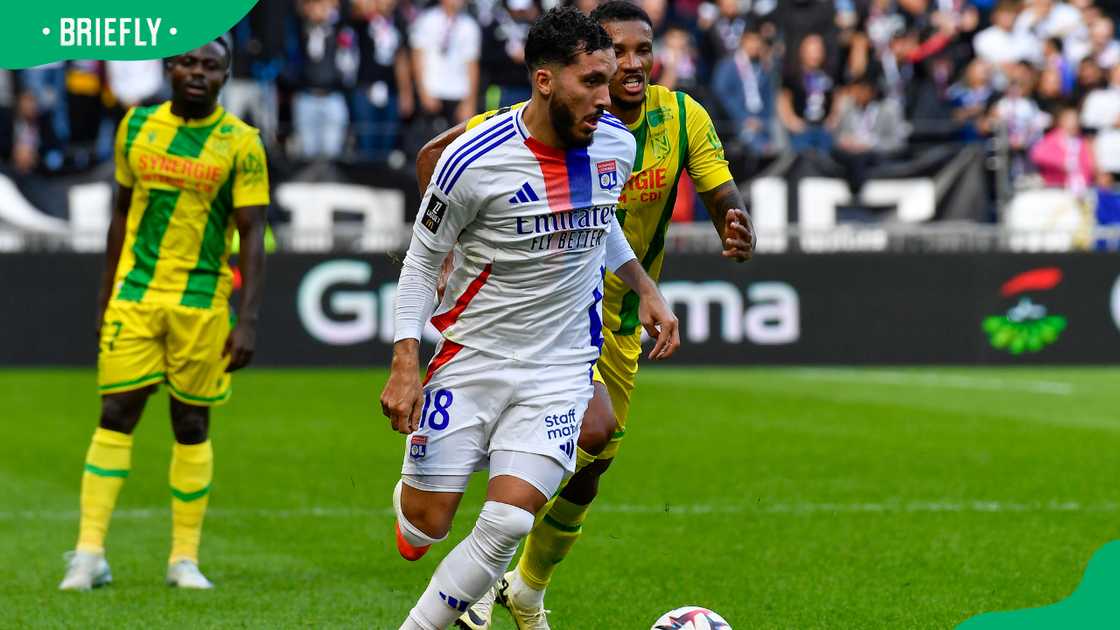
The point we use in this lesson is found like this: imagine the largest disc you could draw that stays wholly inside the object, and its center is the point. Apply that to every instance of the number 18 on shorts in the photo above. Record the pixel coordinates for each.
(478, 403)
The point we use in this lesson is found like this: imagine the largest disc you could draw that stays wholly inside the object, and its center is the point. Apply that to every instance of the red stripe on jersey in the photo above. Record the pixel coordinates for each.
(554, 169)
(444, 320)
(446, 352)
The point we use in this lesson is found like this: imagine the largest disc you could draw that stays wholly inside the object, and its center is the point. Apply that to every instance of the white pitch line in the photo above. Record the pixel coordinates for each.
(879, 377)
(888, 507)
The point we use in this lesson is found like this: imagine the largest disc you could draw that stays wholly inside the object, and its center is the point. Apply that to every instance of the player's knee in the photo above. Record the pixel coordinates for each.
(121, 412)
(596, 430)
(503, 524)
(191, 424)
(584, 485)
(432, 523)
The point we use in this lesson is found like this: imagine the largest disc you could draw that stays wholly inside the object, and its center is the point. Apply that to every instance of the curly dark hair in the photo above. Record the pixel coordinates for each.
(620, 11)
(560, 35)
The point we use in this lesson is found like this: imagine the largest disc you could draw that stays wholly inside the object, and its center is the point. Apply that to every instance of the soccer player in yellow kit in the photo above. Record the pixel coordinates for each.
(674, 135)
(189, 175)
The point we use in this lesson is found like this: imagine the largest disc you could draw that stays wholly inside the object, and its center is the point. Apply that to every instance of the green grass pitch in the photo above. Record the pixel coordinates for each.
(782, 498)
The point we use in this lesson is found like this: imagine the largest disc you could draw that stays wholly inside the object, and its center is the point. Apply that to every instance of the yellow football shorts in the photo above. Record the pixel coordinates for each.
(617, 368)
(144, 344)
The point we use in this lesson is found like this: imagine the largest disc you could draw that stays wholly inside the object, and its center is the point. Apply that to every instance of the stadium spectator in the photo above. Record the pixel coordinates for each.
(1000, 44)
(1064, 157)
(675, 63)
(1048, 94)
(446, 43)
(1101, 109)
(1054, 59)
(258, 59)
(28, 135)
(503, 53)
(45, 85)
(971, 99)
(805, 103)
(91, 134)
(1017, 118)
(743, 85)
(870, 130)
(322, 64)
(1089, 77)
(721, 26)
(1103, 47)
(384, 92)
(1044, 19)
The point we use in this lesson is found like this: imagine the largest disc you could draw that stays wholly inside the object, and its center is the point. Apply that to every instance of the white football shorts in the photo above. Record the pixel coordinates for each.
(476, 403)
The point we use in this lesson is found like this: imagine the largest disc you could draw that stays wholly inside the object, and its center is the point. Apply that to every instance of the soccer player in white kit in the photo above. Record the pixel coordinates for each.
(526, 203)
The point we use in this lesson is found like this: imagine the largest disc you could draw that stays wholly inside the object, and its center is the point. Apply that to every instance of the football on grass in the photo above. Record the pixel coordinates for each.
(690, 618)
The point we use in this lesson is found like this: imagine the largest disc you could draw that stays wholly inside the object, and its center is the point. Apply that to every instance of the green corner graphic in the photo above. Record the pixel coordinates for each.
(1093, 604)
(41, 32)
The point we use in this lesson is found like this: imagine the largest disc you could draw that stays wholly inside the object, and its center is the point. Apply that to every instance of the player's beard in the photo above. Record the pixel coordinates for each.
(564, 124)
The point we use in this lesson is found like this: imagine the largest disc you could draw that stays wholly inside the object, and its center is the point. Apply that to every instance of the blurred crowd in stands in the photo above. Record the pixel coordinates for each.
(855, 82)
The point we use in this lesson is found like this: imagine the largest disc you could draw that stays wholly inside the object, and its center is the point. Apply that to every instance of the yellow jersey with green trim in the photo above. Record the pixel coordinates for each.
(187, 177)
(674, 135)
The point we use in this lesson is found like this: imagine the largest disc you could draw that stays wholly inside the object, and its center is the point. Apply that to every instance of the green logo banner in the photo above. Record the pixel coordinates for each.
(34, 33)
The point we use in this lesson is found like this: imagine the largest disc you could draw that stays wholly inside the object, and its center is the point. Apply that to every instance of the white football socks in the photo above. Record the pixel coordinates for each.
(525, 596)
(472, 567)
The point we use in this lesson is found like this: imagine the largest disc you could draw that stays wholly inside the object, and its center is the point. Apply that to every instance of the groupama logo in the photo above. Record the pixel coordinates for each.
(1027, 327)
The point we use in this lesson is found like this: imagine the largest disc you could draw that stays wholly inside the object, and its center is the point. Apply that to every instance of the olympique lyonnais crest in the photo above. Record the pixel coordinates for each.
(418, 446)
(608, 174)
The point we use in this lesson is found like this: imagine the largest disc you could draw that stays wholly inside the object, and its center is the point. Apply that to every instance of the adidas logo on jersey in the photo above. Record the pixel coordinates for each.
(569, 448)
(524, 195)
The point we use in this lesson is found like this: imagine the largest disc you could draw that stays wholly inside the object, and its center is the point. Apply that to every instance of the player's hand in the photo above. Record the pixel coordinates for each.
(240, 345)
(402, 397)
(738, 236)
(660, 323)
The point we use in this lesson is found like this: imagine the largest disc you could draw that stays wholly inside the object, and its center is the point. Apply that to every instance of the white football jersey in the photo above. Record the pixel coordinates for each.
(528, 226)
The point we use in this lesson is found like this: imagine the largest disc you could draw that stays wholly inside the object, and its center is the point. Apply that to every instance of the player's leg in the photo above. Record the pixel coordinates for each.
(519, 486)
(190, 475)
(461, 403)
(196, 380)
(130, 360)
(560, 527)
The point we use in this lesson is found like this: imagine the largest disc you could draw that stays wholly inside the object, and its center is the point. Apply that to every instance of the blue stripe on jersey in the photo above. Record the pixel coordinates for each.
(480, 153)
(610, 116)
(614, 122)
(579, 177)
(520, 125)
(522, 197)
(596, 324)
(529, 191)
(469, 147)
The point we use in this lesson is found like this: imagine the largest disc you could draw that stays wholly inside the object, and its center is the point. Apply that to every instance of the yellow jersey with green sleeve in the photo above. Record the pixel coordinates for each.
(674, 135)
(187, 178)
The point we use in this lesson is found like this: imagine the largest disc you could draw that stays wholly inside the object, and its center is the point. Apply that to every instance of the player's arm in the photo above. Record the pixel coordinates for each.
(430, 153)
(242, 341)
(438, 223)
(118, 223)
(114, 242)
(250, 206)
(708, 170)
(725, 206)
(653, 311)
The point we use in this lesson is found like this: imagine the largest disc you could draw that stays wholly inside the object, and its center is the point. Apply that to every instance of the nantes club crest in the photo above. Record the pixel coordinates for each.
(1027, 326)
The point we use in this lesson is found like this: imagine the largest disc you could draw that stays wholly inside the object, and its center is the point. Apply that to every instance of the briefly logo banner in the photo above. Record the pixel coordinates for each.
(36, 33)
(1027, 326)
